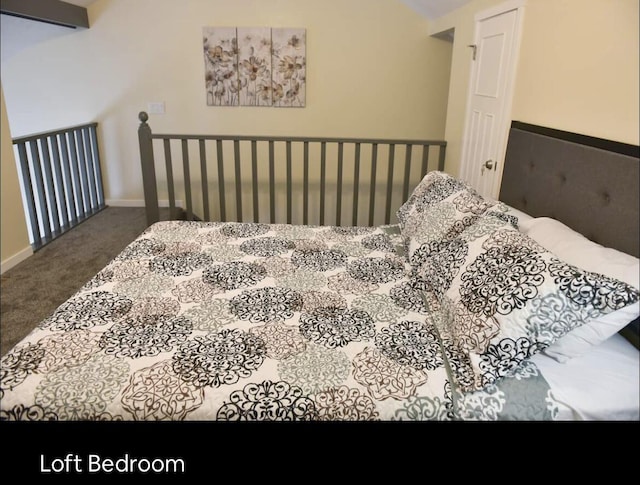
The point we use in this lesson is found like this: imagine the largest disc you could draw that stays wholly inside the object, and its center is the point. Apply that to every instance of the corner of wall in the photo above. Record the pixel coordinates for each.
(14, 238)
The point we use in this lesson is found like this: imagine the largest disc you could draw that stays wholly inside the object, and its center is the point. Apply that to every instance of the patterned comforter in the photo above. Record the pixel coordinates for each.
(238, 321)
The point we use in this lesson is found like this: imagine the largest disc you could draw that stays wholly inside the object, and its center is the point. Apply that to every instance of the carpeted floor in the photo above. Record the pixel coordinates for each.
(33, 289)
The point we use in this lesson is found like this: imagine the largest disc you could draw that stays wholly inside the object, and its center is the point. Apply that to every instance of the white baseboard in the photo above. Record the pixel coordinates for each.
(137, 203)
(12, 261)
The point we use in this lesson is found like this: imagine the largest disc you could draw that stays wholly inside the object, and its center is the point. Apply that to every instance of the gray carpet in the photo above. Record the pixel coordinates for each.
(33, 289)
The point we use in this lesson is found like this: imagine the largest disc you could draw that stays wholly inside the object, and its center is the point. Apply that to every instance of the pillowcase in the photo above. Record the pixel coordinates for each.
(505, 297)
(439, 208)
(577, 250)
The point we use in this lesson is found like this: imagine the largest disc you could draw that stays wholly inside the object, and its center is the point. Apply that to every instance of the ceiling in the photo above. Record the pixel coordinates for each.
(432, 9)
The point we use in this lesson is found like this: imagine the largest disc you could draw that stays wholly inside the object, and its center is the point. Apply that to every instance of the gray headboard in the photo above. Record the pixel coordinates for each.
(589, 184)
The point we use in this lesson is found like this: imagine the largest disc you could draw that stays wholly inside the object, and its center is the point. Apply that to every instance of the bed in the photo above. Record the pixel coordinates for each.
(464, 308)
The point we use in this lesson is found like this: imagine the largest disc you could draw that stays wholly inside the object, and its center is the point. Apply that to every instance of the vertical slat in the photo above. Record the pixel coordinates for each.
(425, 160)
(98, 168)
(407, 172)
(305, 185)
(187, 178)
(254, 176)
(289, 188)
(51, 193)
(339, 183)
(39, 187)
(90, 170)
(82, 163)
(236, 157)
(323, 177)
(205, 180)
(75, 174)
(168, 163)
(356, 181)
(272, 186)
(372, 182)
(223, 210)
(441, 157)
(148, 165)
(387, 212)
(57, 170)
(68, 177)
(28, 193)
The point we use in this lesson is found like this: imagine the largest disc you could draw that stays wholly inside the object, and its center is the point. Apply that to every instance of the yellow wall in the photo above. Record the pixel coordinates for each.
(372, 71)
(577, 70)
(13, 232)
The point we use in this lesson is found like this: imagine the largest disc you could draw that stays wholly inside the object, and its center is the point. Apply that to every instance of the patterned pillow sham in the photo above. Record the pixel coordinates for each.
(441, 207)
(504, 298)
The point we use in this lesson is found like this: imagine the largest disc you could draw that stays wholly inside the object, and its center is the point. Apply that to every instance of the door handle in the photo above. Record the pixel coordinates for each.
(488, 164)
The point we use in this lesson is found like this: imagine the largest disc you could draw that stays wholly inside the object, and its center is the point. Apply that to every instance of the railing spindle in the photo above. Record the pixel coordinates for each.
(236, 156)
(28, 193)
(93, 196)
(289, 188)
(407, 172)
(82, 164)
(98, 168)
(272, 183)
(323, 179)
(187, 179)
(372, 183)
(39, 184)
(305, 184)
(356, 183)
(62, 193)
(205, 180)
(339, 183)
(168, 164)
(425, 160)
(223, 210)
(387, 210)
(50, 196)
(254, 181)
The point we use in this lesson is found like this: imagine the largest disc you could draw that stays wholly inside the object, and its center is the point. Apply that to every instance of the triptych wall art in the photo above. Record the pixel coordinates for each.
(255, 66)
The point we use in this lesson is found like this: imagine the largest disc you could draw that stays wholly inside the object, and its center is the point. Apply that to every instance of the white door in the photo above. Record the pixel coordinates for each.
(489, 104)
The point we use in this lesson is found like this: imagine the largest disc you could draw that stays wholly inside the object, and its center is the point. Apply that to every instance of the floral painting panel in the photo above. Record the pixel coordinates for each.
(220, 48)
(254, 66)
(289, 64)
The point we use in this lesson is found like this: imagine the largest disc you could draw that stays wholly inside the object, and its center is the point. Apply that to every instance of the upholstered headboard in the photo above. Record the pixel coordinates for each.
(589, 184)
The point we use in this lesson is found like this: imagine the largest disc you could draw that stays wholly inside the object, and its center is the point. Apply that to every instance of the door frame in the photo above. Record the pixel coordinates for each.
(507, 105)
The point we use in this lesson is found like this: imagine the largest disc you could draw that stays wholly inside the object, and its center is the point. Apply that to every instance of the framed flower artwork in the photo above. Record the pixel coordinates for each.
(258, 66)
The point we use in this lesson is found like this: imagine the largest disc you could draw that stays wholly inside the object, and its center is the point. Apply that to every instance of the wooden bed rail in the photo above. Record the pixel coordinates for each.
(411, 152)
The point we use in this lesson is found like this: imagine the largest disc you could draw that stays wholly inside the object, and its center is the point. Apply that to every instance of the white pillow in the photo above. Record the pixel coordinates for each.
(579, 251)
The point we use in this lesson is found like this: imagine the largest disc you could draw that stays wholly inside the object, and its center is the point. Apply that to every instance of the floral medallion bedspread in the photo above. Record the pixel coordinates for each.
(238, 321)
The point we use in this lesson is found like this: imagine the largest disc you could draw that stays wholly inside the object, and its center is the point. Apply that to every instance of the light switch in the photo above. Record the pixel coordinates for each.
(156, 107)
